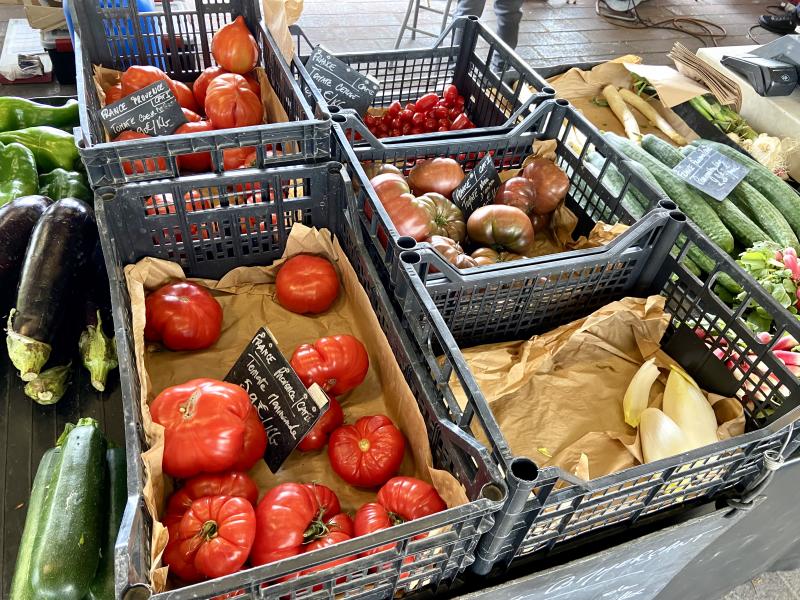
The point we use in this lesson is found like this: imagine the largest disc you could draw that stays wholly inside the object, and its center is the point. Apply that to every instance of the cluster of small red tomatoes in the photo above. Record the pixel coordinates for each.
(429, 113)
(213, 436)
(222, 97)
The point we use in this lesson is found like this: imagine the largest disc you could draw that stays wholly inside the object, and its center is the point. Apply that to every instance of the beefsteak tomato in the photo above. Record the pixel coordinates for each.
(113, 93)
(139, 76)
(307, 284)
(191, 116)
(198, 162)
(239, 158)
(149, 165)
(337, 363)
(444, 217)
(200, 85)
(519, 192)
(367, 453)
(235, 48)
(452, 252)
(234, 484)
(185, 96)
(439, 175)
(213, 539)
(231, 103)
(182, 316)
(550, 182)
(318, 436)
(490, 256)
(209, 427)
(501, 227)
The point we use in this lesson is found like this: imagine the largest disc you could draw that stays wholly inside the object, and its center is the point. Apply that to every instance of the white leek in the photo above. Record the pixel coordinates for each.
(637, 395)
(660, 436)
(685, 403)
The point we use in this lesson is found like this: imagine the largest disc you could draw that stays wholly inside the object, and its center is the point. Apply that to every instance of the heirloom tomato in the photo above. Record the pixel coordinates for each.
(182, 316)
(367, 453)
(337, 363)
(318, 436)
(234, 47)
(235, 484)
(231, 103)
(307, 284)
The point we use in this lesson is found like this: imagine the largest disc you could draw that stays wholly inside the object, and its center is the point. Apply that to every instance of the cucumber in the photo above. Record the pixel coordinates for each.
(102, 587)
(613, 181)
(688, 201)
(67, 547)
(21, 583)
(738, 223)
(774, 189)
(707, 265)
(763, 212)
(648, 177)
(692, 267)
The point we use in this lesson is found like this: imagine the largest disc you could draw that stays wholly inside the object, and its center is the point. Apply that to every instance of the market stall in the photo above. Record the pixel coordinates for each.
(385, 323)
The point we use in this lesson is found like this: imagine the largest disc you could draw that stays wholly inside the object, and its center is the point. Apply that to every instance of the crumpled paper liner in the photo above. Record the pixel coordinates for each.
(246, 296)
(580, 87)
(558, 396)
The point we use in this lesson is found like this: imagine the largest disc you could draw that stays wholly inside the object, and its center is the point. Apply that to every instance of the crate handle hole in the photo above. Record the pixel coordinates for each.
(494, 492)
(548, 90)
(668, 205)
(561, 101)
(333, 109)
(472, 18)
(410, 258)
(677, 215)
(406, 243)
(339, 118)
(524, 469)
(137, 592)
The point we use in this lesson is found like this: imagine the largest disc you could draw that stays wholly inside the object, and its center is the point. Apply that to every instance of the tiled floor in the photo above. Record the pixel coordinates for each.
(769, 586)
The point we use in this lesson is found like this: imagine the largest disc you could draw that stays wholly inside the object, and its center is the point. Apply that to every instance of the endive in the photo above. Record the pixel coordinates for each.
(660, 436)
(638, 393)
(686, 405)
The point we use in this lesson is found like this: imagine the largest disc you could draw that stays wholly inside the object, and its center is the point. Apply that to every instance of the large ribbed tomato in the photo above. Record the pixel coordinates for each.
(367, 453)
(307, 284)
(235, 48)
(230, 102)
(337, 363)
(185, 96)
(213, 538)
(182, 316)
(225, 484)
(137, 77)
(210, 426)
(318, 436)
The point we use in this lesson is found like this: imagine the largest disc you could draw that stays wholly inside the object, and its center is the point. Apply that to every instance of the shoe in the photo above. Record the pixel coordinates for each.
(780, 24)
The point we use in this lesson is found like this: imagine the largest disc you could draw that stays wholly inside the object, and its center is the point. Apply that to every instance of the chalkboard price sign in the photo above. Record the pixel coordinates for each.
(340, 84)
(286, 408)
(711, 172)
(153, 110)
(478, 188)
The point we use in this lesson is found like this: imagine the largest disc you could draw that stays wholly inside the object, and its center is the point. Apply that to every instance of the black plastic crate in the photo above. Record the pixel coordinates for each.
(549, 507)
(462, 56)
(460, 294)
(178, 41)
(208, 243)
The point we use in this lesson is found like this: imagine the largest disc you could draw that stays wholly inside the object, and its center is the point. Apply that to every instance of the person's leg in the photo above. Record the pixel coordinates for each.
(509, 14)
(464, 8)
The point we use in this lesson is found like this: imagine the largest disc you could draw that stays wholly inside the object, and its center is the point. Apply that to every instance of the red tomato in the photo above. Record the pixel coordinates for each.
(226, 484)
(318, 436)
(185, 96)
(307, 284)
(337, 363)
(367, 453)
(405, 116)
(200, 85)
(239, 158)
(163, 204)
(136, 77)
(252, 82)
(198, 162)
(235, 48)
(182, 316)
(208, 428)
(114, 93)
(411, 106)
(410, 498)
(418, 119)
(191, 116)
(288, 519)
(369, 120)
(453, 113)
(231, 103)
(440, 112)
(460, 122)
(213, 539)
(444, 123)
(148, 165)
(394, 109)
(450, 94)
(443, 128)
(327, 500)
(427, 102)
(369, 518)
(340, 529)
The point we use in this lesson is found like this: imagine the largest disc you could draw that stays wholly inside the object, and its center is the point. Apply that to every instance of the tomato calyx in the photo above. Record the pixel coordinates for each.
(208, 531)
(188, 407)
(363, 445)
(394, 518)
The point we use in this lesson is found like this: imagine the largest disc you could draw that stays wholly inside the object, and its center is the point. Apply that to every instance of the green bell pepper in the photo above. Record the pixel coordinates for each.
(18, 175)
(51, 147)
(19, 113)
(58, 184)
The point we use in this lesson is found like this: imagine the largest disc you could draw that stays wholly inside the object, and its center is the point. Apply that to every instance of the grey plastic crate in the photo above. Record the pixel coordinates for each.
(178, 41)
(208, 243)
(465, 305)
(549, 507)
(462, 55)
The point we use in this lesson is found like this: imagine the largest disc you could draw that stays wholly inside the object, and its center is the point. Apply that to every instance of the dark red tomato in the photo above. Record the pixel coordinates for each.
(444, 123)
(307, 284)
(226, 484)
(213, 538)
(394, 109)
(405, 116)
(431, 125)
(197, 162)
(337, 363)
(411, 106)
(440, 112)
(416, 129)
(443, 128)
(396, 131)
(318, 436)
(406, 129)
(367, 453)
(138, 166)
(369, 120)
(387, 120)
(453, 113)
(418, 119)
(182, 316)
(450, 94)
(427, 102)
(460, 122)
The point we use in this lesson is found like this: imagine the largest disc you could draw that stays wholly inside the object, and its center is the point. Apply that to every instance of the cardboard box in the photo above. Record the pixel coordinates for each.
(45, 15)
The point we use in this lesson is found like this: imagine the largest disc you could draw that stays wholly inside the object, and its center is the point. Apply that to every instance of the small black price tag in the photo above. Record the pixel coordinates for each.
(153, 110)
(478, 188)
(340, 84)
(711, 172)
(286, 408)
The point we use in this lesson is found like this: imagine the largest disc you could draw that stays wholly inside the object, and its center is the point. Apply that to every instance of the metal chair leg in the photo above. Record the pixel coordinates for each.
(446, 14)
(416, 17)
(404, 26)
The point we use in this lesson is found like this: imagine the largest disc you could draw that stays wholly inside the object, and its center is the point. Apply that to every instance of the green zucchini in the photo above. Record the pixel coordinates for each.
(739, 224)
(21, 583)
(689, 202)
(774, 189)
(102, 587)
(751, 201)
(67, 547)
(614, 182)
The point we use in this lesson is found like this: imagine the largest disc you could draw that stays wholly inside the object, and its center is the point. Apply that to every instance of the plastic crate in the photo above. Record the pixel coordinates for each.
(588, 198)
(462, 56)
(548, 507)
(442, 544)
(178, 41)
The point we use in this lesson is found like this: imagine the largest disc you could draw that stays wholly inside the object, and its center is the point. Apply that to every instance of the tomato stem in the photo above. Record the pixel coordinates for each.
(363, 445)
(187, 408)
(209, 530)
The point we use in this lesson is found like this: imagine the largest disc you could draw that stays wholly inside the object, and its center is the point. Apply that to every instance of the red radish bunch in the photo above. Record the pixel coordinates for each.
(429, 113)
